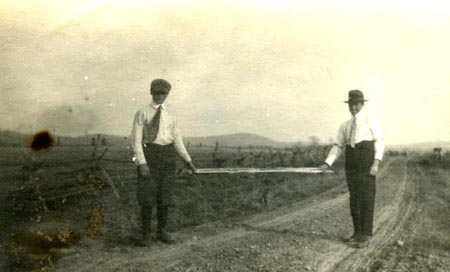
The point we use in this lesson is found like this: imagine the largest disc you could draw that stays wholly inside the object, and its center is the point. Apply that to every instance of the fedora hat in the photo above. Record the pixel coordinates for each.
(355, 96)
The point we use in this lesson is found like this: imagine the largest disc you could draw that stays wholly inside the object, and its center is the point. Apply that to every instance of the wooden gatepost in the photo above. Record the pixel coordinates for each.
(437, 153)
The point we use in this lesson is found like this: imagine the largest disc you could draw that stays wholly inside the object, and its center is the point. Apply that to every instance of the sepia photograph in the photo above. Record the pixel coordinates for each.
(210, 136)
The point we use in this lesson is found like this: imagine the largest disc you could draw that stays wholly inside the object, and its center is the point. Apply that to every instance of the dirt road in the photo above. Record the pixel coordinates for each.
(307, 236)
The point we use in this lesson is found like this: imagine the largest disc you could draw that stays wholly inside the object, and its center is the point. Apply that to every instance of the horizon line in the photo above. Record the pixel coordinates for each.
(221, 135)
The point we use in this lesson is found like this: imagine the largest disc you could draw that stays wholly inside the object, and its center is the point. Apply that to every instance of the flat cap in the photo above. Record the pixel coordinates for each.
(160, 85)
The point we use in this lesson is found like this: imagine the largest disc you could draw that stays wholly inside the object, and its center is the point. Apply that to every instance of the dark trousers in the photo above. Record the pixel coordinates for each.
(361, 185)
(157, 189)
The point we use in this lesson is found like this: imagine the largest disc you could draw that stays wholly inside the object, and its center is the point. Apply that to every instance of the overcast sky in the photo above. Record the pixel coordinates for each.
(281, 69)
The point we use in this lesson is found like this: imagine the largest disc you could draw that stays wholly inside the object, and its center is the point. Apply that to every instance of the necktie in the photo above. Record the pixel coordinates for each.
(154, 125)
(353, 133)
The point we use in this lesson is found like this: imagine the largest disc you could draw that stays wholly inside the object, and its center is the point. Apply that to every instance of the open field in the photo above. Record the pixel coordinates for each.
(57, 191)
(244, 222)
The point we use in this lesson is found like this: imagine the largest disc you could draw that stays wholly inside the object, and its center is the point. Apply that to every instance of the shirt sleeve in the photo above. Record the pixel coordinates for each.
(136, 137)
(178, 143)
(338, 145)
(378, 138)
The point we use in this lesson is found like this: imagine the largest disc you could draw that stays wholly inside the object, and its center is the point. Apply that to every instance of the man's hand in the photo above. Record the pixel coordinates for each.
(324, 167)
(191, 166)
(375, 167)
(144, 171)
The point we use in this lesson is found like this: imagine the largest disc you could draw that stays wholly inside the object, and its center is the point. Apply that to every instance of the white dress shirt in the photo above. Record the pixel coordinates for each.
(367, 129)
(168, 132)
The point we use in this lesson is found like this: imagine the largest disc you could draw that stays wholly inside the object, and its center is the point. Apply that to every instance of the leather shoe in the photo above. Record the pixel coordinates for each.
(144, 243)
(145, 240)
(353, 238)
(164, 237)
(362, 242)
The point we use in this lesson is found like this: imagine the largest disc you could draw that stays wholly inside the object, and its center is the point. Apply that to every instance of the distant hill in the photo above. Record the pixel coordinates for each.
(237, 139)
(10, 138)
(87, 140)
(232, 140)
(13, 138)
(424, 146)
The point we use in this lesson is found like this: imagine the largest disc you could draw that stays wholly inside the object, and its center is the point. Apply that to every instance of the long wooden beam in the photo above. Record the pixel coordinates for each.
(305, 170)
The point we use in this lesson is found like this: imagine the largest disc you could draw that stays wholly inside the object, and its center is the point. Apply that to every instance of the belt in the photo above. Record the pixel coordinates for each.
(362, 143)
(152, 145)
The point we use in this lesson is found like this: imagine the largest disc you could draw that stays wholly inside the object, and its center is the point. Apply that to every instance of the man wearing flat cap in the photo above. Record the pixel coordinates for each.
(156, 140)
(362, 140)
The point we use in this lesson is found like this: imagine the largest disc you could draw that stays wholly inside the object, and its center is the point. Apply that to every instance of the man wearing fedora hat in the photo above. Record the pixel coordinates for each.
(156, 140)
(363, 142)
